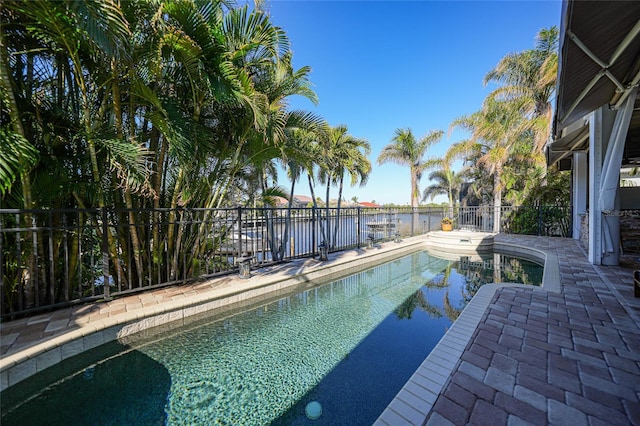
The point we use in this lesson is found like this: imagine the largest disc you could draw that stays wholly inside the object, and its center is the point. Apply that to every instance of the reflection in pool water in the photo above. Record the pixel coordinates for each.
(349, 345)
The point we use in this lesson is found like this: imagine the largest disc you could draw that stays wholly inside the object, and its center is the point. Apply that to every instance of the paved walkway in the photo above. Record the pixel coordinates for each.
(536, 357)
(568, 358)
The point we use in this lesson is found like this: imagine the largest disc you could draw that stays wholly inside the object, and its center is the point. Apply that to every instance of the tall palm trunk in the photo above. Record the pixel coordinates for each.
(217, 197)
(287, 223)
(329, 243)
(449, 182)
(175, 246)
(117, 110)
(16, 123)
(315, 205)
(93, 156)
(414, 200)
(497, 199)
(336, 225)
(25, 179)
(174, 242)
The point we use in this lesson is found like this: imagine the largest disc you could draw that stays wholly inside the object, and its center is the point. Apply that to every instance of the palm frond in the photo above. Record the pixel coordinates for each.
(130, 162)
(18, 156)
(104, 24)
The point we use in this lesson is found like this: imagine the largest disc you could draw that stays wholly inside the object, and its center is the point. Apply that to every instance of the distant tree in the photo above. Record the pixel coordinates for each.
(446, 180)
(530, 76)
(341, 154)
(406, 150)
(495, 131)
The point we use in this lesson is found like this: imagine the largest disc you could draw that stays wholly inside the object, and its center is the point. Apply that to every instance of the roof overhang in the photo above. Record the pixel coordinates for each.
(574, 137)
(599, 64)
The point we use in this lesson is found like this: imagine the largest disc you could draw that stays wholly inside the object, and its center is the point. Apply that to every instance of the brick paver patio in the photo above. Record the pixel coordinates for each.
(568, 358)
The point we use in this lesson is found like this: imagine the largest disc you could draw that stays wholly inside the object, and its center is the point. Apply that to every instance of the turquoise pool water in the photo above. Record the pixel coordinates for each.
(350, 345)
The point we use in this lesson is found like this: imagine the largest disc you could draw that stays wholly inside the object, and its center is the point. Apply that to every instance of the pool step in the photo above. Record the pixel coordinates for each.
(460, 241)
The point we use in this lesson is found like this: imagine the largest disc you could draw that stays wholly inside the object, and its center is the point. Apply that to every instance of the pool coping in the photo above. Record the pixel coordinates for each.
(414, 401)
(30, 360)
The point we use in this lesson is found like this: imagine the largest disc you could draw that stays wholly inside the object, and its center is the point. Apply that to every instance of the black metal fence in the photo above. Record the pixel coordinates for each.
(54, 258)
(550, 221)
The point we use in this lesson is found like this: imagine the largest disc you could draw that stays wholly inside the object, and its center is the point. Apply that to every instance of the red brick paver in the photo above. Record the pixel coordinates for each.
(546, 358)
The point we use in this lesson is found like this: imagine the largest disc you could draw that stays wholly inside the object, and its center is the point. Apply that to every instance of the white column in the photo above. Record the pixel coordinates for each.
(595, 174)
(580, 184)
(600, 126)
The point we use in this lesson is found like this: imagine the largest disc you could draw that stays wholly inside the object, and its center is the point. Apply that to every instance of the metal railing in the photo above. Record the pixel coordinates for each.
(55, 258)
(549, 221)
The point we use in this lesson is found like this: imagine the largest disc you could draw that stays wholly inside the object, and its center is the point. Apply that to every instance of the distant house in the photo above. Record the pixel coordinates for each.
(281, 202)
(368, 204)
(302, 201)
(298, 201)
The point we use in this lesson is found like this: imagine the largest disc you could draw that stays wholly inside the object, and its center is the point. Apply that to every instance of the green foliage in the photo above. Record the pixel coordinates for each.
(18, 156)
(504, 150)
(143, 104)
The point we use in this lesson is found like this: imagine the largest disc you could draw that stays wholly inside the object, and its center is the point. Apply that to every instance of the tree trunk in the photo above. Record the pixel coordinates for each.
(16, 123)
(329, 243)
(449, 173)
(177, 187)
(285, 236)
(25, 179)
(158, 246)
(315, 205)
(497, 201)
(135, 242)
(414, 201)
(336, 225)
(117, 111)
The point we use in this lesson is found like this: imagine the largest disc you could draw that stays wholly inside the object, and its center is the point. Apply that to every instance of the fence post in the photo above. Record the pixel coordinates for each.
(105, 255)
(314, 231)
(240, 253)
(539, 220)
(358, 224)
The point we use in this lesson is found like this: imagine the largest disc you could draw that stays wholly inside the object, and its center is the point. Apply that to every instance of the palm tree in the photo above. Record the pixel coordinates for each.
(445, 182)
(87, 37)
(530, 76)
(495, 131)
(405, 150)
(340, 154)
(19, 155)
(294, 155)
(141, 104)
(351, 157)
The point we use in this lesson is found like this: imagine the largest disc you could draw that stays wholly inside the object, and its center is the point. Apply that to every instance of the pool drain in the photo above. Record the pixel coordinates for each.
(313, 410)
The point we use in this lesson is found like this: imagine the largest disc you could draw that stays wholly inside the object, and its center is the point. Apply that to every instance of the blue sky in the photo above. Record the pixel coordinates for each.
(382, 65)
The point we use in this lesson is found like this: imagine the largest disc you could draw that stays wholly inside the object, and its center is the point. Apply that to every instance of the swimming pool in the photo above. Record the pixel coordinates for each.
(349, 345)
